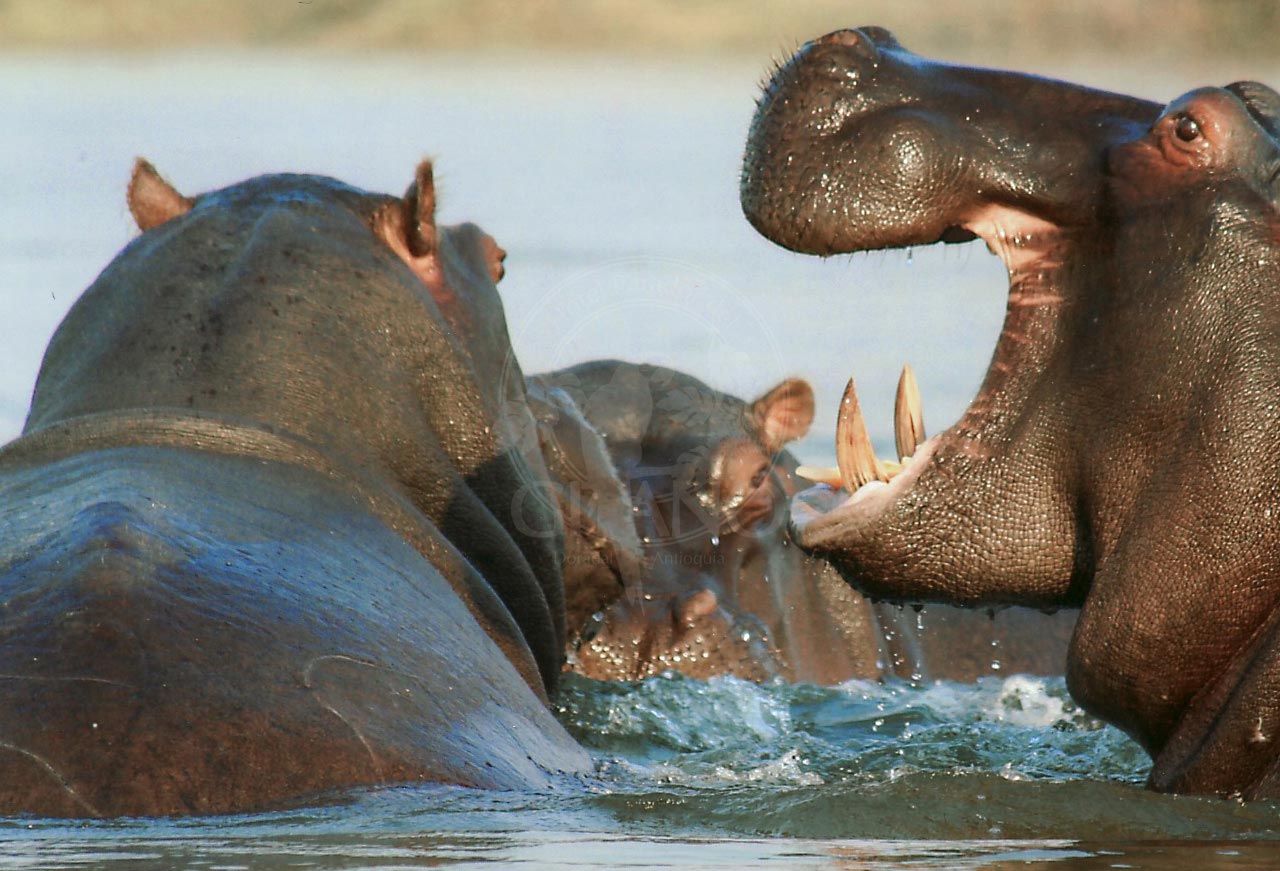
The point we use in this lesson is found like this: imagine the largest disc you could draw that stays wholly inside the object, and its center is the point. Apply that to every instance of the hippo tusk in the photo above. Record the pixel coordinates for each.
(855, 456)
(828, 475)
(908, 420)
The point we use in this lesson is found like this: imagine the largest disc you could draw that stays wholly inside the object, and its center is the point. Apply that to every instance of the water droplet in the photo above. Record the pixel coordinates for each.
(715, 541)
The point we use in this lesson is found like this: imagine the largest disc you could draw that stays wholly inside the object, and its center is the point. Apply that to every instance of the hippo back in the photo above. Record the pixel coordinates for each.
(273, 302)
(274, 527)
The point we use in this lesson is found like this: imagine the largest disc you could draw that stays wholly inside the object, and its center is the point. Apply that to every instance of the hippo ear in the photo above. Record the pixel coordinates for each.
(783, 414)
(408, 226)
(420, 211)
(1263, 104)
(152, 200)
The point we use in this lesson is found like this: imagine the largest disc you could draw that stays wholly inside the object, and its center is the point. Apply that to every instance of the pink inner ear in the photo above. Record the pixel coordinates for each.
(389, 226)
(785, 413)
(152, 200)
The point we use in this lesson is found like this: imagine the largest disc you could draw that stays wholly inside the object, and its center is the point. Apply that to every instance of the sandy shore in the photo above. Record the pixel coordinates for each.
(986, 31)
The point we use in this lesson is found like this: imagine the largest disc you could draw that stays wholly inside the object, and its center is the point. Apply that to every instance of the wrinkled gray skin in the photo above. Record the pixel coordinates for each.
(1121, 454)
(258, 538)
(722, 588)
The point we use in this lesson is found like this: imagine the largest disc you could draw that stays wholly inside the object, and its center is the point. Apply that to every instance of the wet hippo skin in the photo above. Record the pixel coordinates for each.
(720, 587)
(1121, 455)
(257, 535)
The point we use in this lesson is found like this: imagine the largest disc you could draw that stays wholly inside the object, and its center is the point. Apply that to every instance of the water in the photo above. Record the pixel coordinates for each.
(613, 186)
(726, 773)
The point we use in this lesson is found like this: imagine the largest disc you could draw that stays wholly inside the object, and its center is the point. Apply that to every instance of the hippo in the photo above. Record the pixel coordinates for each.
(723, 589)
(1119, 454)
(257, 535)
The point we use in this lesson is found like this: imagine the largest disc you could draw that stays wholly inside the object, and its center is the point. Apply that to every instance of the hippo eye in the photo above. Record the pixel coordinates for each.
(1186, 129)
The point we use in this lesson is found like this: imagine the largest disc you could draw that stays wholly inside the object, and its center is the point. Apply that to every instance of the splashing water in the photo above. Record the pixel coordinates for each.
(729, 774)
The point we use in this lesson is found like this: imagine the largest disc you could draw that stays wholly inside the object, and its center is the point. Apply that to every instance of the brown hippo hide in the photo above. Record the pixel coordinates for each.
(722, 588)
(1123, 453)
(257, 540)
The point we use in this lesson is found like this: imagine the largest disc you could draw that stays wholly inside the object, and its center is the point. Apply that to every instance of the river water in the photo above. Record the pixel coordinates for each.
(613, 186)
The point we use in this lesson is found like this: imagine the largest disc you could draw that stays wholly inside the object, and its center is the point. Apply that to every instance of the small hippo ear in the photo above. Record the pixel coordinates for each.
(783, 414)
(1263, 104)
(420, 211)
(152, 200)
(494, 257)
(408, 226)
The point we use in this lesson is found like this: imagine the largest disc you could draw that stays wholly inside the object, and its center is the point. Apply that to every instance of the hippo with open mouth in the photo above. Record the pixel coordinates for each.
(257, 540)
(1122, 453)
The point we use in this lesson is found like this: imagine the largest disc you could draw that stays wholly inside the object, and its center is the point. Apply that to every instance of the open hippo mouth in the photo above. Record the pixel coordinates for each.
(858, 144)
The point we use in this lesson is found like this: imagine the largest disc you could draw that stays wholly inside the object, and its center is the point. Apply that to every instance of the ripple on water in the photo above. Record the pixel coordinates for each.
(1009, 757)
(1007, 773)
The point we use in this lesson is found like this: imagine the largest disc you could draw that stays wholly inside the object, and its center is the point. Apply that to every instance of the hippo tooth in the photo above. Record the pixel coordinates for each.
(908, 420)
(829, 475)
(854, 454)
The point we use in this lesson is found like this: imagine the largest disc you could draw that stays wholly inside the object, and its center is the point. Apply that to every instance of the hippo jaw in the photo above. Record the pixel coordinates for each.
(999, 470)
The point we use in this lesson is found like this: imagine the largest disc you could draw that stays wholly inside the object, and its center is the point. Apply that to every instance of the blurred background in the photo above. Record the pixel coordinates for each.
(598, 140)
(996, 30)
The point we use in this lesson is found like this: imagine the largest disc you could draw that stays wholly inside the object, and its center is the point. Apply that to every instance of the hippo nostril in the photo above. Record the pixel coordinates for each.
(841, 37)
(880, 36)
(859, 42)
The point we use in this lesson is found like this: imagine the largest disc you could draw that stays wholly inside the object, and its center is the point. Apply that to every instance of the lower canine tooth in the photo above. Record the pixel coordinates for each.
(820, 475)
(854, 454)
(908, 420)
(830, 475)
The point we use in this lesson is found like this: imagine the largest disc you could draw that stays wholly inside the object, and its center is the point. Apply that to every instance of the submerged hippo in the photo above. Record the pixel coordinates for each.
(257, 538)
(1121, 454)
(722, 589)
